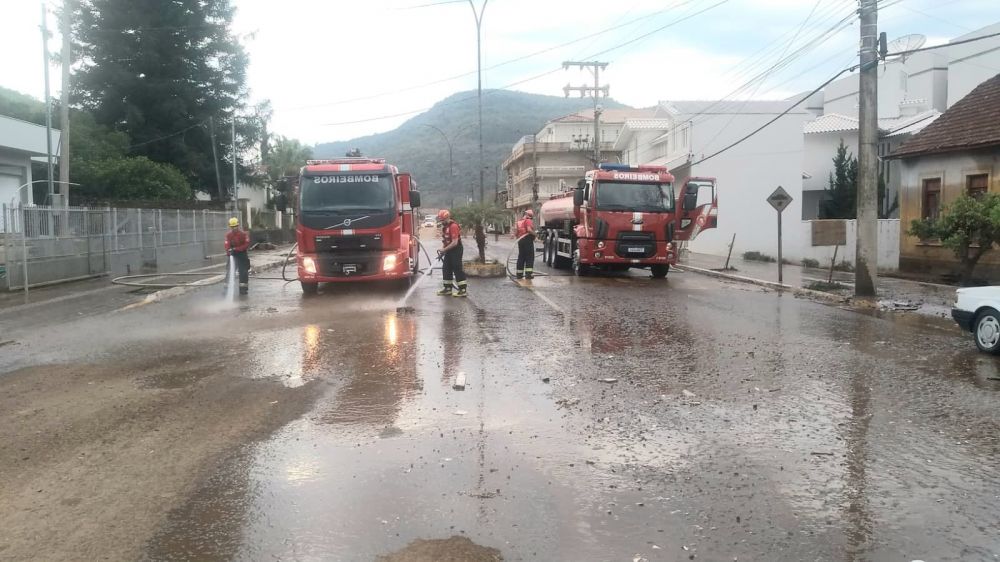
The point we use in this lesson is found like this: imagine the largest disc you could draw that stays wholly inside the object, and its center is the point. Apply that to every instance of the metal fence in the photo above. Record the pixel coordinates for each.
(44, 245)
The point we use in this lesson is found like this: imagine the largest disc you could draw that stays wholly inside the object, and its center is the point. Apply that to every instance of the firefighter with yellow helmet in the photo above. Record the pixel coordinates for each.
(237, 244)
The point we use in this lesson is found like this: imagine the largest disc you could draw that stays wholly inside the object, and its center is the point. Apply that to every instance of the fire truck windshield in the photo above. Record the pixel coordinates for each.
(643, 197)
(347, 193)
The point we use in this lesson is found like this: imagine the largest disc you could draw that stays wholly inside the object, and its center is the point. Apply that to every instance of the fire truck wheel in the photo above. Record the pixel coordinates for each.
(309, 288)
(659, 271)
(579, 269)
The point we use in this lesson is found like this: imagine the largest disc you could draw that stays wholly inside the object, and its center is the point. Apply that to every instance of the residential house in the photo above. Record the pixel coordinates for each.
(958, 153)
(560, 153)
(912, 91)
(720, 139)
(20, 141)
(823, 136)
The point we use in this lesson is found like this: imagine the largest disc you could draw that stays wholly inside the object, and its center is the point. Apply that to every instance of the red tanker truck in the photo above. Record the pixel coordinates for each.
(620, 217)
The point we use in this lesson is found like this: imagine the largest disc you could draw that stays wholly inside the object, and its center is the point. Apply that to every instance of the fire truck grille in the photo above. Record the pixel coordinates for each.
(337, 244)
(636, 245)
(348, 264)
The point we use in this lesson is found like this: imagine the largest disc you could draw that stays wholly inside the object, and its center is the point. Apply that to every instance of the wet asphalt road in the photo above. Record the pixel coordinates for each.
(743, 424)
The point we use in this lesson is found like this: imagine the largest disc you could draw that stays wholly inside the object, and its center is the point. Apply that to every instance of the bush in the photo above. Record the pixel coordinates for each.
(844, 266)
(809, 262)
(757, 256)
(824, 286)
(135, 177)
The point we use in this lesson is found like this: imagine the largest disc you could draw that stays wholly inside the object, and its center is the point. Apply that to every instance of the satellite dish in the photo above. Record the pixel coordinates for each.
(906, 43)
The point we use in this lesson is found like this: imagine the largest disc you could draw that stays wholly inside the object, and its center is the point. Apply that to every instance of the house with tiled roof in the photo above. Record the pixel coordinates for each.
(959, 153)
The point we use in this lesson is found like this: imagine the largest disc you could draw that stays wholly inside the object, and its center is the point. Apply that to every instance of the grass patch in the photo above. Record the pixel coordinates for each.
(809, 262)
(757, 256)
(826, 287)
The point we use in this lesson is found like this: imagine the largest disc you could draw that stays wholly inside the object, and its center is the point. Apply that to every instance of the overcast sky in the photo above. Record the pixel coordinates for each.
(314, 59)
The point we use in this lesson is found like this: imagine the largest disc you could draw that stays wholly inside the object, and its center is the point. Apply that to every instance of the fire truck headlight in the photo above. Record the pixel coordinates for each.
(600, 245)
(309, 265)
(389, 263)
(598, 255)
(670, 247)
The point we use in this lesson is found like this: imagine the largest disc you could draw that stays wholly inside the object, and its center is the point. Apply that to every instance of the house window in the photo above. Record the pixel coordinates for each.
(932, 198)
(976, 185)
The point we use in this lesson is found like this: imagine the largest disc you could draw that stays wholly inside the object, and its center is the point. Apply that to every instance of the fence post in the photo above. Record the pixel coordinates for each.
(159, 221)
(114, 226)
(24, 247)
(139, 226)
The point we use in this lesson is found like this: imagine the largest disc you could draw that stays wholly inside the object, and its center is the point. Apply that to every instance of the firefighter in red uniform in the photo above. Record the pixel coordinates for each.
(525, 234)
(450, 255)
(237, 244)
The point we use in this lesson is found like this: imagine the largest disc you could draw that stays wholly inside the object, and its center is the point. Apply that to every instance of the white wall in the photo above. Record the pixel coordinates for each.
(15, 171)
(747, 174)
(973, 63)
(801, 232)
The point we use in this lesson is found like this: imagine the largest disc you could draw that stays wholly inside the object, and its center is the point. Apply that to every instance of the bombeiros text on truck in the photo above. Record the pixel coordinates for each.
(620, 217)
(356, 222)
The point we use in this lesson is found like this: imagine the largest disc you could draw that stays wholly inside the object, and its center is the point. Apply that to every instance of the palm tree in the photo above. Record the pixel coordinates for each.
(285, 158)
(477, 216)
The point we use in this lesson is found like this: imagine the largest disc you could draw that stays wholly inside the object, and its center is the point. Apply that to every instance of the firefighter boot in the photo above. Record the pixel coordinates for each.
(445, 291)
(244, 289)
(462, 290)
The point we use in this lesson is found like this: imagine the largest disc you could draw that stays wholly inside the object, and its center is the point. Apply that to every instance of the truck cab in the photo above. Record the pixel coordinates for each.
(621, 217)
(355, 222)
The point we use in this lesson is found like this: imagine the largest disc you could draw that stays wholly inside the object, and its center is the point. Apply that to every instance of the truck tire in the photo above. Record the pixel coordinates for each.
(309, 288)
(659, 271)
(986, 330)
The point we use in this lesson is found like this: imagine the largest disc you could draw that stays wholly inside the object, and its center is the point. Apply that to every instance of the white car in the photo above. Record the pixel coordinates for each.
(429, 223)
(977, 309)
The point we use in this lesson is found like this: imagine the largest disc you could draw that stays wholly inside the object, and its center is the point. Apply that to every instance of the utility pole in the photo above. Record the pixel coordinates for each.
(67, 60)
(215, 157)
(479, 89)
(866, 256)
(48, 105)
(236, 188)
(596, 90)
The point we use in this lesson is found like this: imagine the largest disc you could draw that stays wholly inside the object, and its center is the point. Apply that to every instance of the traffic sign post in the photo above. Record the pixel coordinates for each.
(779, 199)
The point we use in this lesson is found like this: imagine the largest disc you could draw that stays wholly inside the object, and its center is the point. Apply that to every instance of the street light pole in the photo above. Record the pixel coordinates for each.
(451, 169)
(479, 73)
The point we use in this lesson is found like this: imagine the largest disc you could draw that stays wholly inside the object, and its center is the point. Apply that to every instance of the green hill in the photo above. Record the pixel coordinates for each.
(420, 150)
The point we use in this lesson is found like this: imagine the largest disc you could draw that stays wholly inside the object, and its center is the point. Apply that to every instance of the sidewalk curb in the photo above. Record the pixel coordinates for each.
(798, 291)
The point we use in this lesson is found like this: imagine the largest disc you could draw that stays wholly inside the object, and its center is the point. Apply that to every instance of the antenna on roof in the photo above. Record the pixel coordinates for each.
(905, 44)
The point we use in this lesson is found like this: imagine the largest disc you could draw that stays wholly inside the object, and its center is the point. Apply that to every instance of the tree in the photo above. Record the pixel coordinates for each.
(477, 216)
(158, 71)
(969, 227)
(285, 158)
(136, 177)
(841, 196)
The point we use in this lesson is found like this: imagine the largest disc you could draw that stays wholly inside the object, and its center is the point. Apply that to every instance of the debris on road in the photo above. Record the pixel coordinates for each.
(459, 381)
(460, 412)
(567, 402)
(688, 393)
(608, 379)
(545, 379)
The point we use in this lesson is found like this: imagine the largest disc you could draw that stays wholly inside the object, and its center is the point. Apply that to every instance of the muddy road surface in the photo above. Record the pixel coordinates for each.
(607, 418)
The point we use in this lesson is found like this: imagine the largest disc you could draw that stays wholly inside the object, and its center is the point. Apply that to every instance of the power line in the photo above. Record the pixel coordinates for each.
(494, 66)
(164, 137)
(779, 116)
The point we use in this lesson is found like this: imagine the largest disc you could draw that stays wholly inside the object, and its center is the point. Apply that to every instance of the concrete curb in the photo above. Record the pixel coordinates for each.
(798, 291)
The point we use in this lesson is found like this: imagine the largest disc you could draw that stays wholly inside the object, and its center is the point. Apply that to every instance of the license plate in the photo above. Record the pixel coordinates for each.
(636, 250)
(350, 268)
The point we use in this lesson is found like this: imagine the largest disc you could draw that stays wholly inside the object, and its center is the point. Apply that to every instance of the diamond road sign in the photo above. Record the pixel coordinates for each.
(779, 199)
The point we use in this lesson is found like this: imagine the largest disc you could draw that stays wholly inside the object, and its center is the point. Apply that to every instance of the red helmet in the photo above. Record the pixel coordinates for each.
(529, 213)
(443, 215)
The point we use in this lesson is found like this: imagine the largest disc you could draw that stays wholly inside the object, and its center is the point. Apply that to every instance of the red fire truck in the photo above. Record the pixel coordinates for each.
(621, 217)
(355, 222)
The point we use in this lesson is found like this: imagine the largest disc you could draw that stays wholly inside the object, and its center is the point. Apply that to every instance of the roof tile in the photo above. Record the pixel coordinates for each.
(973, 122)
